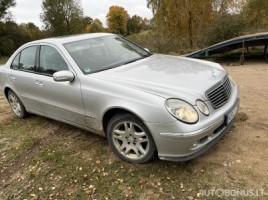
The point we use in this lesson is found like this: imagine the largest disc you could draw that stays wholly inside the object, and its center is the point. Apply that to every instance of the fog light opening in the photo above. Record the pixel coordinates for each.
(204, 139)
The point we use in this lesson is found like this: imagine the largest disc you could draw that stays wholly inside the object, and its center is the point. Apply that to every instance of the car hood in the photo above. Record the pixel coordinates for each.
(167, 76)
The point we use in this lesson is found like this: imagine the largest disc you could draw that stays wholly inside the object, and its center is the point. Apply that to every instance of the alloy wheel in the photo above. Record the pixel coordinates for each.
(15, 104)
(130, 140)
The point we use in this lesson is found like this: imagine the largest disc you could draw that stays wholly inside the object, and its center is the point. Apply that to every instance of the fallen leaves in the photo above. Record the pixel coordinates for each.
(90, 190)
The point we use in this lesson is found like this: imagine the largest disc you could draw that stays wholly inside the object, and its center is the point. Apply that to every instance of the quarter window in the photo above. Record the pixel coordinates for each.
(51, 61)
(15, 63)
(27, 59)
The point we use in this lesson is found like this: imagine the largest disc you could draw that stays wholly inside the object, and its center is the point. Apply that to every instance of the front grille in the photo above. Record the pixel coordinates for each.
(220, 93)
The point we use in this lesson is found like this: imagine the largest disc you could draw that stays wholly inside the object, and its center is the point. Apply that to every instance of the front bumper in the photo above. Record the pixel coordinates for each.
(211, 141)
(182, 142)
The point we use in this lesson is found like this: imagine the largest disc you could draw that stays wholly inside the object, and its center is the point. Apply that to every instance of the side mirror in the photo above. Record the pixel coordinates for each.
(62, 76)
(146, 49)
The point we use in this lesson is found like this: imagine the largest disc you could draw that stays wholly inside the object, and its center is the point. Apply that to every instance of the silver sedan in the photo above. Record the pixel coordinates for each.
(147, 105)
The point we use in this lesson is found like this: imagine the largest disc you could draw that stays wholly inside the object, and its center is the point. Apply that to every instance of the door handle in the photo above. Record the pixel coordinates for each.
(39, 83)
(12, 77)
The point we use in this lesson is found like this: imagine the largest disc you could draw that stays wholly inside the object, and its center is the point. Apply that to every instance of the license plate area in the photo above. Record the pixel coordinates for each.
(230, 116)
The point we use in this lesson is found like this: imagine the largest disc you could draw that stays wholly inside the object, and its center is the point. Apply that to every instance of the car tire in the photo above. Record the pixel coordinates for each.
(16, 105)
(130, 139)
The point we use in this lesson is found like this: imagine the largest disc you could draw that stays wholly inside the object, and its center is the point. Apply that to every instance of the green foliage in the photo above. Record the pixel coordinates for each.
(6, 46)
(12, 36)
(182, 21)
(186, 25)
(18, 34)
(95, 27)
(86, 22)
(144, 39)
(154, 41)
(33, 30)
(136, 24)
(256, 12)
(62, 17)
(3, 60)
(223, 28)
(4, 6)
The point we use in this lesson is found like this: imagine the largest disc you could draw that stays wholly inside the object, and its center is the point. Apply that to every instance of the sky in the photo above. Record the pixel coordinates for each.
(30, 10)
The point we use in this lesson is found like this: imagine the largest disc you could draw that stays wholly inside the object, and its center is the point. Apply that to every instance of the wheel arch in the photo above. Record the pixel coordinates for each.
(6, 91)
(109, 113)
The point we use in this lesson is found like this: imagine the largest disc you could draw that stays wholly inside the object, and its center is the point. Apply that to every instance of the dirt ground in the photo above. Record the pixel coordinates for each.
(45, 159)
(249, 140)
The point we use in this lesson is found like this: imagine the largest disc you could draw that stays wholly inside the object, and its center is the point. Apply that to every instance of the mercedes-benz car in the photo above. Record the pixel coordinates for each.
(147, 105)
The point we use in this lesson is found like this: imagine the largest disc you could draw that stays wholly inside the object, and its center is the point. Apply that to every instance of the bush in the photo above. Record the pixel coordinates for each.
(6, 47)
(159, 43)
(223, 28)
(144, 39)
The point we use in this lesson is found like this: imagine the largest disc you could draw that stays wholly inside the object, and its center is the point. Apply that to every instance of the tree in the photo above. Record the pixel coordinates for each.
(95, 27)
(33, 30)
(62, 17)
(6, 44)
(4, 6)
(181, 21)
(12, 36)
(224, 7)
(136, 24)
(17, 33)
(224, 27)
(86, 22)
(185, 23)
(117, 19)
(256, 12)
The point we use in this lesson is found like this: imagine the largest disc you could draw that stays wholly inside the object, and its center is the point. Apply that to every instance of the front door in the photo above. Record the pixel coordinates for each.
(60, 100)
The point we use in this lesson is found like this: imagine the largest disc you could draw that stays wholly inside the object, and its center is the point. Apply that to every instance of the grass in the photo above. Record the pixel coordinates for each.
(3, 60)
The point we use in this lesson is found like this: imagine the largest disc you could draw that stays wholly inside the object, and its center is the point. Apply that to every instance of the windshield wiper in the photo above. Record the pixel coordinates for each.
(104, 69)
(118, 64)
(131, 61)
(136, 59)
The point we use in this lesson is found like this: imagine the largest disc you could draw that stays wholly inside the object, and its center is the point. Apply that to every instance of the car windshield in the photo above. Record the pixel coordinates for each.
(102, 53)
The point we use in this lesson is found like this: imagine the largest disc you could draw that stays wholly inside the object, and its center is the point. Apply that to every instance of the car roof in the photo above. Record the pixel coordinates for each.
(70, 38)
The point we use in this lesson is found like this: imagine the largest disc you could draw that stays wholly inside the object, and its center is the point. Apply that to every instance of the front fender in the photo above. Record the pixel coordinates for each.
(99, 97)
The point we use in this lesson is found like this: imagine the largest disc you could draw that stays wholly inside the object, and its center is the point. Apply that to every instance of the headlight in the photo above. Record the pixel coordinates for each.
(202, 107)
(182, 111)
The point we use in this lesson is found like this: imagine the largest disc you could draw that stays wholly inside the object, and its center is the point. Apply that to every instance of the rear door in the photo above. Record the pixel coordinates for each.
(61, 100)
(22, 77)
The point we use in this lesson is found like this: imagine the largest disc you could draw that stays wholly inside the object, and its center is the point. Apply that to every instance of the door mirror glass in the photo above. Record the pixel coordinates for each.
(62, 76)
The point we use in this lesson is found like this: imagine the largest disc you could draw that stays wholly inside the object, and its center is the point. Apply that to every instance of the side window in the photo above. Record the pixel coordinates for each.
(27, 59)
(51, 61)
(15, 63)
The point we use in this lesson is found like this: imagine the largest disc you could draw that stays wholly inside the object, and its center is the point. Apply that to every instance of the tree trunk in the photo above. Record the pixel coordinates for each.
(190, 28)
